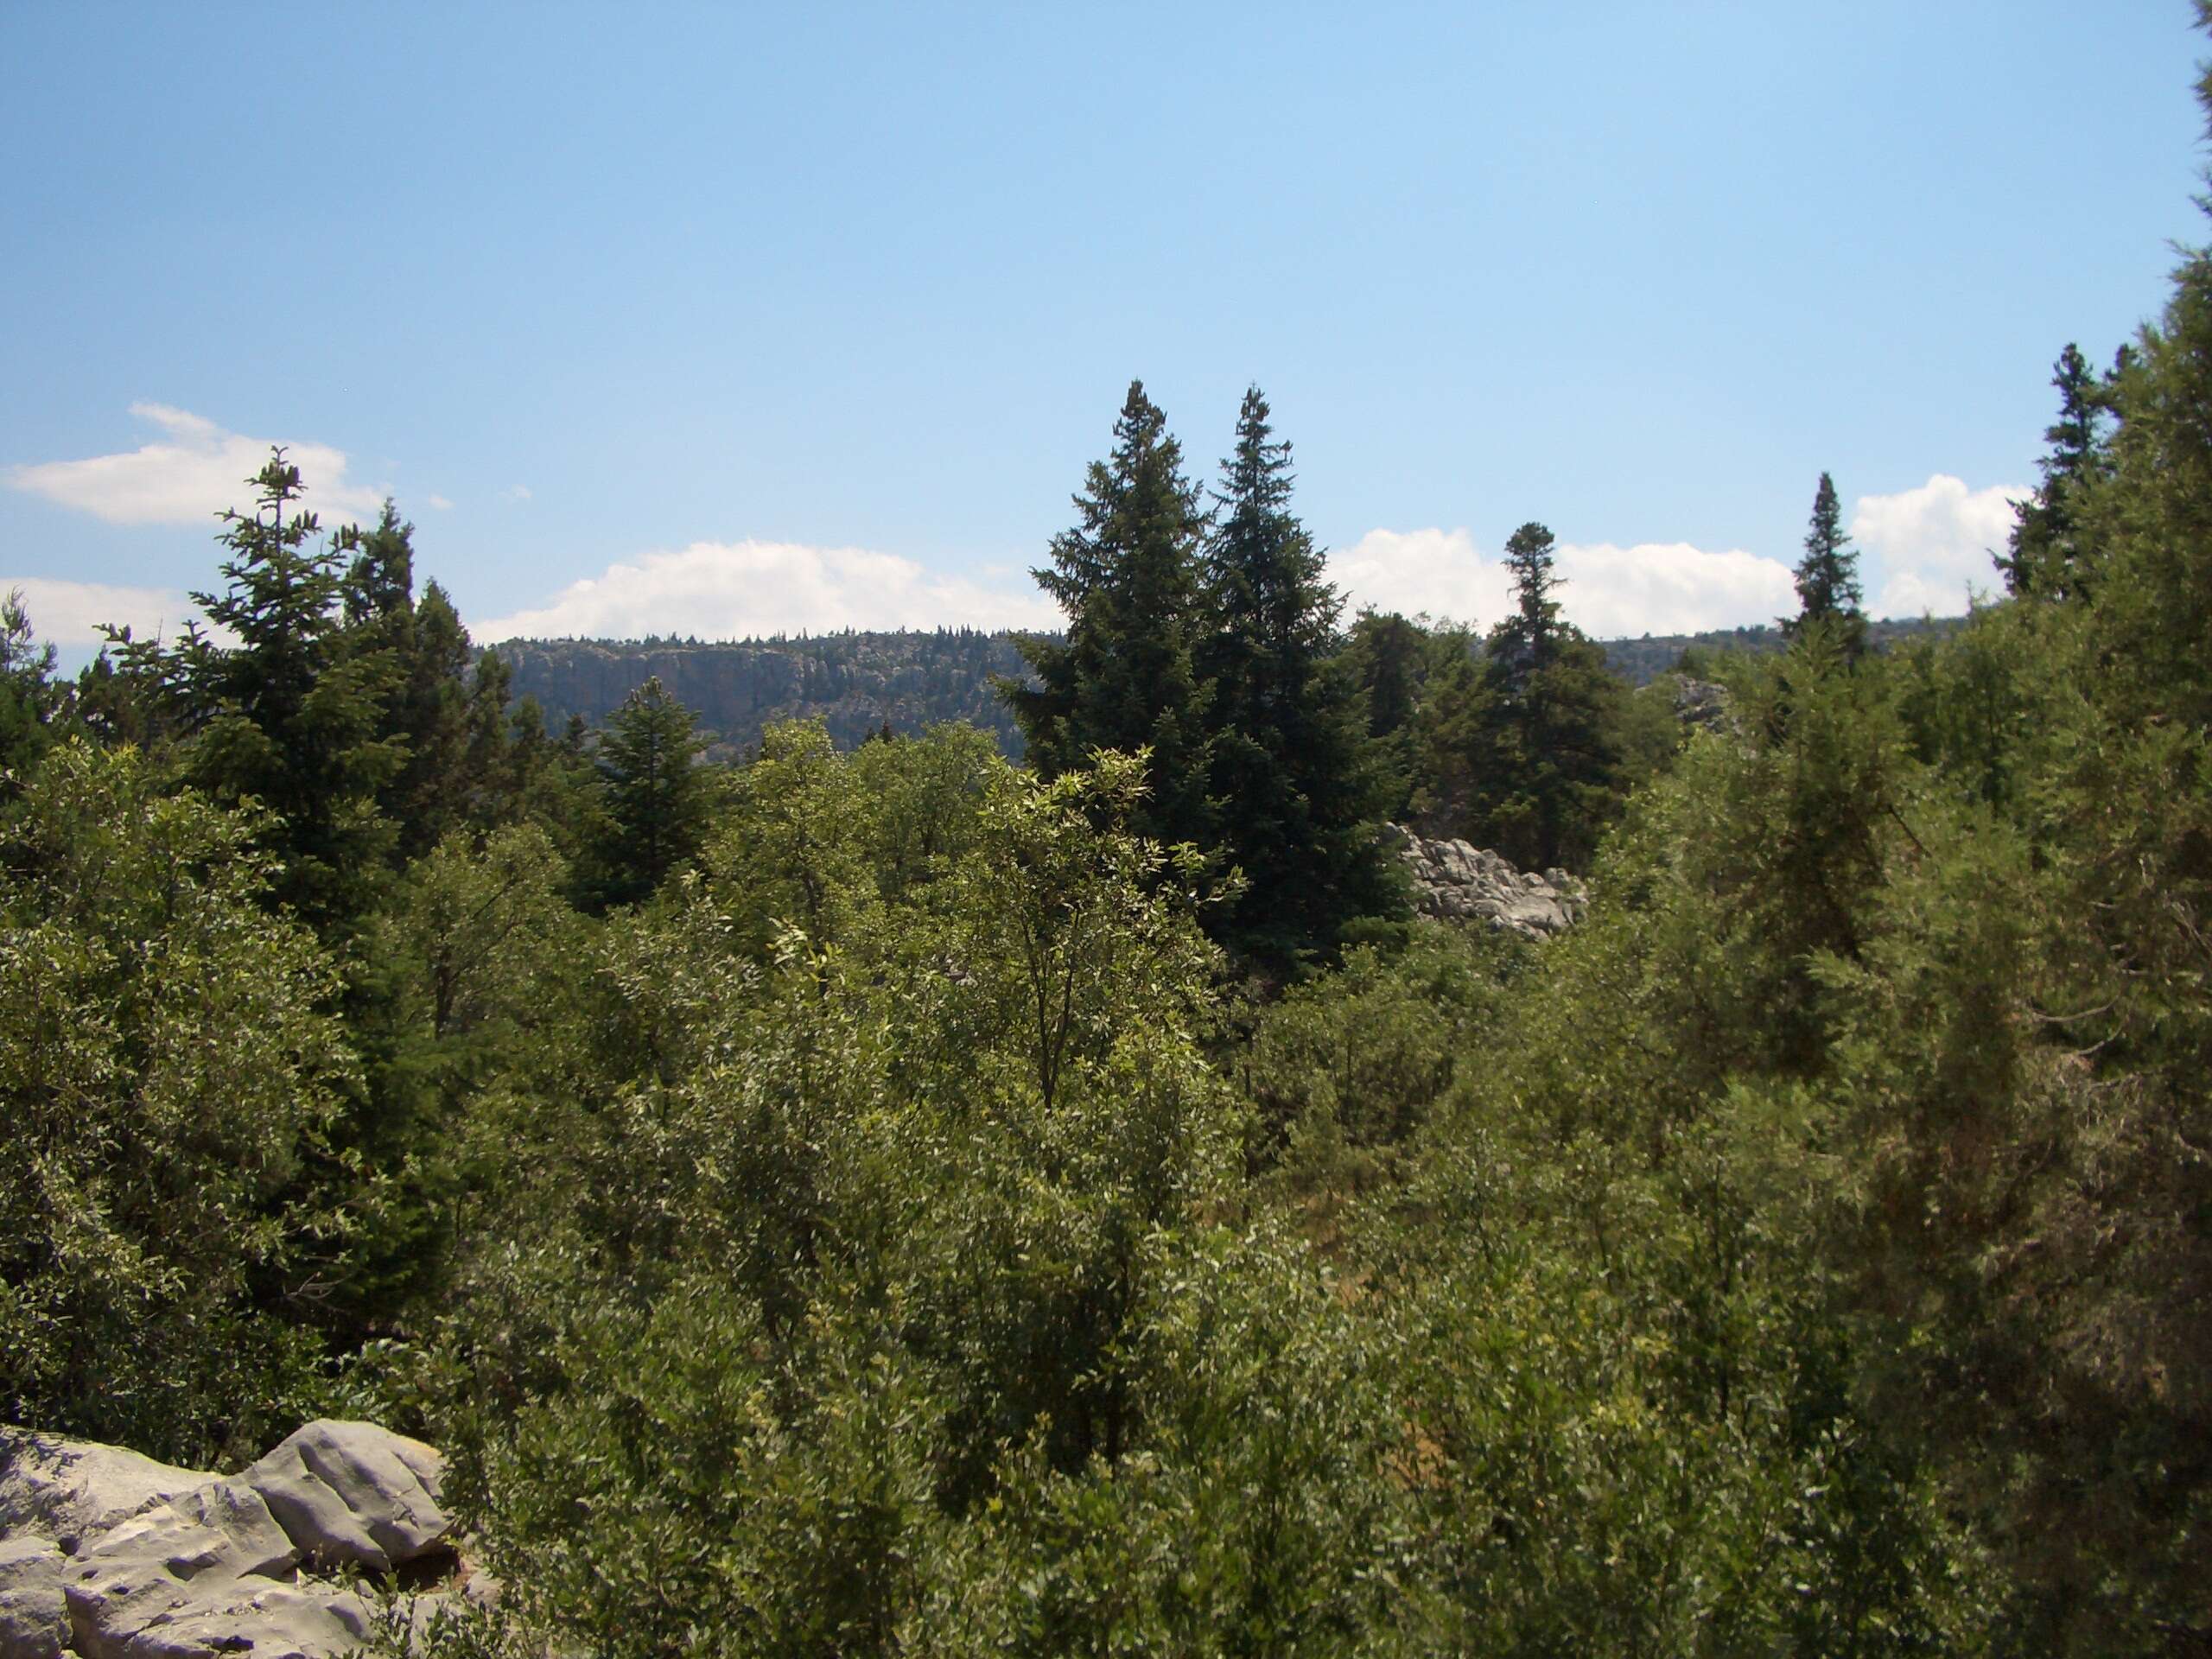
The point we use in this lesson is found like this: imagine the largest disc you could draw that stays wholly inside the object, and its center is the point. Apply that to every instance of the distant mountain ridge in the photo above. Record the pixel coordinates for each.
(854, 682)
(858, 682)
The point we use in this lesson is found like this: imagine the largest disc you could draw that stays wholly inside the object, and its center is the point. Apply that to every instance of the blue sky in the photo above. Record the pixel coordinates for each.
(725, 320)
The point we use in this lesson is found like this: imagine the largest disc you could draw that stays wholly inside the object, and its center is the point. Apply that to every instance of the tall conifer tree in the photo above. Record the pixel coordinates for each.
(1299, 784)
(1827, 577)
(292, 715)
(1128, 575)
(1522, 754)
(655, 793)
(2047, 554)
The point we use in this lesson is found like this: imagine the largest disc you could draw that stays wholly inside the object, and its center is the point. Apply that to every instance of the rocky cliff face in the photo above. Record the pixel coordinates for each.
(1458, 882)
(106, 1555)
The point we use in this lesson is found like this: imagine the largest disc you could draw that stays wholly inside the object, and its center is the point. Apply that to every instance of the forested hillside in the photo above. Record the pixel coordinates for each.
(856, 683)
(883, 1199)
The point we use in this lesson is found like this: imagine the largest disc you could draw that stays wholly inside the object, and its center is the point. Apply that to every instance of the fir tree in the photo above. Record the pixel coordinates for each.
(1300, 784)
(293, 715)
(1522, 754)
(1527, 639)
(1391, 659)
(2045, 556)
(655, 795)
(1127, 677)
(30, 700)
(1827, 577)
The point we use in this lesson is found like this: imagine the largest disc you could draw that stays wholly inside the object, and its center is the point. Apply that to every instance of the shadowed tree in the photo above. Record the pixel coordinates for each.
(1126, 678)
(1299, 785)
(655, 794)
(1827, 577)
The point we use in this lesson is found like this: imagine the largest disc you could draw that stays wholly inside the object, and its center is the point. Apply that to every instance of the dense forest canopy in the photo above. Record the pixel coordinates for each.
(876, 1198)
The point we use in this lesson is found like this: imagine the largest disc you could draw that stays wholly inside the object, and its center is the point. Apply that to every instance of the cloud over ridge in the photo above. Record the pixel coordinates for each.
(733, 590)
(1608, 592)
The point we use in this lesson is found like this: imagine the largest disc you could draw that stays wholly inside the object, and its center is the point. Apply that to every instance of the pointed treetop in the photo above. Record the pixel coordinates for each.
(1828, 576)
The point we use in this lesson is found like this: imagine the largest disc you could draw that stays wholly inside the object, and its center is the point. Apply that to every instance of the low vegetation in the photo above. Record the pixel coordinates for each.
(881, 1198)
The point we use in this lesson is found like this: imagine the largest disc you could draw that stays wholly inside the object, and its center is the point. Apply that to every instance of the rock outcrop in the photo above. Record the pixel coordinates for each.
(109, 1555)
(1460, 882)
(1700, 703)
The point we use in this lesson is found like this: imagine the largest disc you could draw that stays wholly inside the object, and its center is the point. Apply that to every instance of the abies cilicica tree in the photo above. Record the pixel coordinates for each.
(1527, 639)
(655, 796)
(1127, 676)
(2048, 548)
(293, 715)
(1298, 782)
(1521, 753)
(1827, 578)
(1555, 711)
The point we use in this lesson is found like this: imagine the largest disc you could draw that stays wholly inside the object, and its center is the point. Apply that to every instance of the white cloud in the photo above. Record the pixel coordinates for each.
(516, 491)
(69, 614)
(195, 470)
(1934, 543)
(724, 590)
(1607, 591)
(1413, 571)
(439, 504)
(1614, 593)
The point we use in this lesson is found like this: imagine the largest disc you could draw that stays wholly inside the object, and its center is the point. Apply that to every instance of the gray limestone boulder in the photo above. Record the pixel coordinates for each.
(34, 1618)
(355, 1495)
(66, 1489)
(109, 1555)
(1702, 704)
(164, 1584)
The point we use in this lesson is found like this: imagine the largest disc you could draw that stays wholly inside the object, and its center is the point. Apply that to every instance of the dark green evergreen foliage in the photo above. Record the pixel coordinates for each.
(1391, 658)
(1827, 577)
(1520, 753)
(1127, 678)
(425, 651)
(448, 706)
(1299, 784)
(1453, 748)
(294, 715)
(30, 700)
(1527, 640)
(655, 794)
(2046, 555)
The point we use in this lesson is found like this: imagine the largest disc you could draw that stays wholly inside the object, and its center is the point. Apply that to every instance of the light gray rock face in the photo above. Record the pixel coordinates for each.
(64, 1489)
(214, 1568)
(33, 1619)
(1702, 704)
(1461, 882)
(352, 1495)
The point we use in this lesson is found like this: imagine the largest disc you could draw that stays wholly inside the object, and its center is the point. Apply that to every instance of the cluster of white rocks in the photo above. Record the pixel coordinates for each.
(108, 1555)
(1461, 882)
